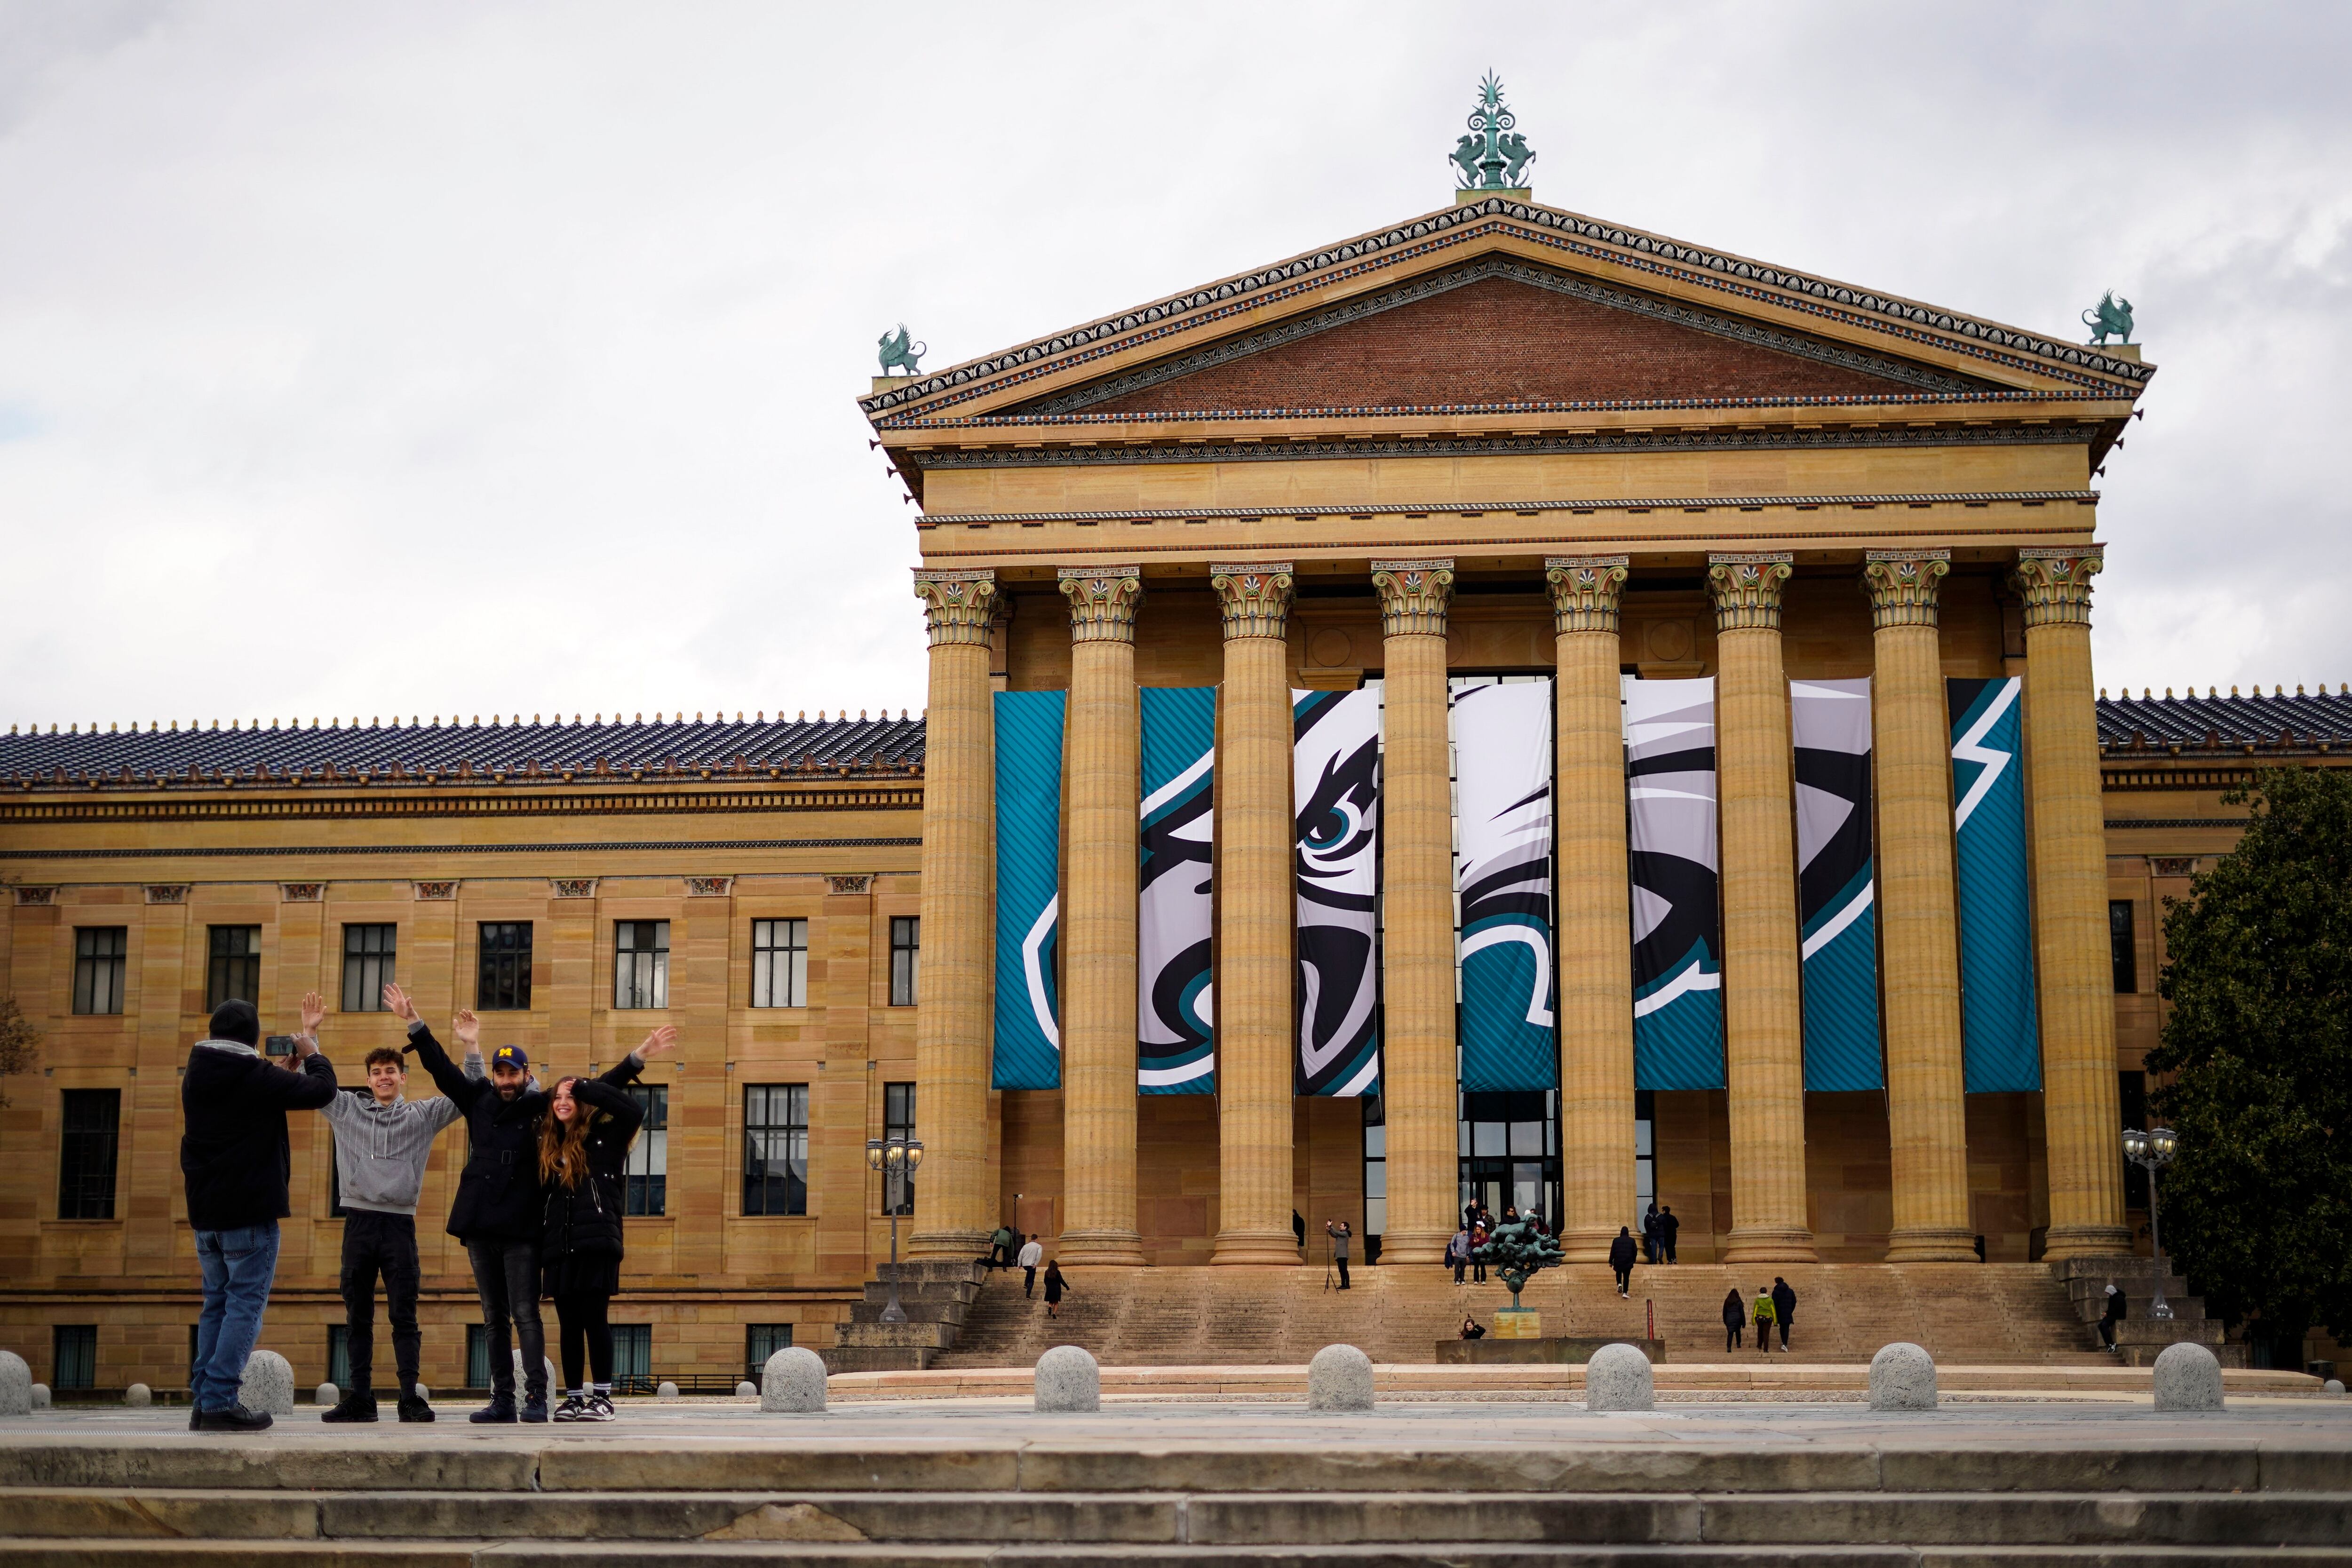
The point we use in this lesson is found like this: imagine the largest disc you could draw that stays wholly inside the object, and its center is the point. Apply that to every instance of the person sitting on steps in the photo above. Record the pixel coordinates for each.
(1472, 1329)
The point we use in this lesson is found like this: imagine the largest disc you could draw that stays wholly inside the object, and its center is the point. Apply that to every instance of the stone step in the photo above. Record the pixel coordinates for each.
(946, 1312)
(963, 1292)
(878, 1358)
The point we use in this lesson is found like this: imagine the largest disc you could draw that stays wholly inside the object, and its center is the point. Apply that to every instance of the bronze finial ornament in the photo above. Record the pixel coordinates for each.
(2112, 313)
(1496, 156)
(898, 354)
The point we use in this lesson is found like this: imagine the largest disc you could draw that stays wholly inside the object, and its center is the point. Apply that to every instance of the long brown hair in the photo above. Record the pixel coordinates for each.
(563, 1146)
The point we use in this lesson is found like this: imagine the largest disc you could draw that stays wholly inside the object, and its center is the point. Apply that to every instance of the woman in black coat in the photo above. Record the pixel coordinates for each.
(584, 1151)
(1735, 1318)
(1055, 1286)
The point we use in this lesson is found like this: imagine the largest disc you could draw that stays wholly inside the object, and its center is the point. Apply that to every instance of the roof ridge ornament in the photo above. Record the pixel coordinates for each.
(898, 354)
(1496, 156)
(2112, 313)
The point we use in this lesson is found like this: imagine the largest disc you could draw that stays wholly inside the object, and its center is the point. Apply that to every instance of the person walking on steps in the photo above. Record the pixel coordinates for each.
(1620, 1260)
(1668, 1225)
(235, 1164)
(2111, 1315)
(1457, 1252)
(1784, 1308)
(1000, 1246)
(382, 1143)
(1735, 1319)
(1337, 1229)
(1055, 1289)
(1033, 1252)
(583, 1151)
(1764, 1320)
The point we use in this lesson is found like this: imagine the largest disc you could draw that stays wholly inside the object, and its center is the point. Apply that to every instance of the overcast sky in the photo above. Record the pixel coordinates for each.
(482, 358)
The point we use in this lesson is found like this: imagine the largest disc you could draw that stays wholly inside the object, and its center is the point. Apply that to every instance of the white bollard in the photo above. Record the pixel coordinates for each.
(666, 1391)
(2187, 1377)
(1068, 1381)
(327, 1395)
(1902, 1377)
(521, 1382)
(1340, 1378)
(40, 1396)
(792, 1382)
(138, 1396)
(1618, 1377)
(747, 1389)
(268, 1384)
(16, 1385)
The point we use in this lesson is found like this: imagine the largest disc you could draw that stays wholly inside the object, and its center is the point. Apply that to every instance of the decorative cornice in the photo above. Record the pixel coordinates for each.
(1901, 584)
(1413, 597)
(302, 892)
(1103, 600)
(1584, 592)
(958, 605)
(2056, 583)
(1254, 597)
(709, 887)
(2172, 864)
(1746, 587)
(434, 892)
(1631, 249)
(427, 801)
(167, 892)
(571, 886)
(35, 898)
(314, 851)
(858, 884)
(1802, 502)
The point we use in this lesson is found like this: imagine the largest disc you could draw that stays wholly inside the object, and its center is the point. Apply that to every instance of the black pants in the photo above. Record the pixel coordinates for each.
(1624, 1279)
(1731, 1336)
(2107, 1333)
(506, 1273)
(1343, 1272)
(1459, 1265)
(1784, 1333)
(581, 1317)
(1028, 1280)
(380, 1243)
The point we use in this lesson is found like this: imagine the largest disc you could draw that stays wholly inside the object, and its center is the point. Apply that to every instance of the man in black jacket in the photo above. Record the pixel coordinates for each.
(499, 1210)
(1784, 1308)
(236, 1162)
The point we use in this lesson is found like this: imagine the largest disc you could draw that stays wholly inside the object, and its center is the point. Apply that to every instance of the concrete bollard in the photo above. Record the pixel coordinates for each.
(792, 1382)
(1902, 1377)
(747, 1389)
(666, 1391)
(15, 1384)
(2334, 1386)
(1340, 1378)
(326, 1395)
(2187, 1377)
(1618, 1377)
(40, 1396)
(1068, 1380)
(268, 1384)
(522, 1383)
(139, 1396)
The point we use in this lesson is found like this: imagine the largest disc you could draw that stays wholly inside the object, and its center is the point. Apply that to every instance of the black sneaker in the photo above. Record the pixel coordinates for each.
(235, 1418)
(600, 1406)
(572, 1409)
(413, 1408)
(498, 1410)
(534, 1408)
(356, 1406)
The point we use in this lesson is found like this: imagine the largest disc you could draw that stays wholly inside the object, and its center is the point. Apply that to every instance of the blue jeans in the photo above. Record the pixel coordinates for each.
(238, 1266)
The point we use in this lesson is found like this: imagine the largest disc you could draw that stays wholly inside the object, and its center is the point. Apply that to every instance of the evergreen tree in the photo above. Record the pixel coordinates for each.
(2257, 1205)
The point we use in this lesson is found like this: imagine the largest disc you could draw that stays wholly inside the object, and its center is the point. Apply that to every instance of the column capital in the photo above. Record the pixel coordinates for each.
(958, 605)
(1254, 597)
(1584, 590)
(2056, 581)
(1901, 584)
(1102, 602)
(1413, 595)
(1746, 587)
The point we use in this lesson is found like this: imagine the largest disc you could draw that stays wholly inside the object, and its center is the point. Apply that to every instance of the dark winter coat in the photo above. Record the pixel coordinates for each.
(234, 1155)
(498, 1193)
(1735, 1313)
(2117, 1307)
(587, 1218)
(1784, 1303)
(1054, 1284)
(1621, 1253)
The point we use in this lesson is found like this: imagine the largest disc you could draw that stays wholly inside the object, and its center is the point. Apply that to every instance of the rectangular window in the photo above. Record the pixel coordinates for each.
(339, 1356)
(478, 1355)
(502, 977)
(85, 1152)
(906, 959)
(2131, 1098)
(779, 964)
(99, 954)
(367, 965)
(898, 1121)
(73, 1355)
(762, 1341)
(776, 1149)
(1376, 1174)
(235, 967)
(633, 1353)
(2123, 949)
(1645, 1154)
(641, 964)
(648, 1191)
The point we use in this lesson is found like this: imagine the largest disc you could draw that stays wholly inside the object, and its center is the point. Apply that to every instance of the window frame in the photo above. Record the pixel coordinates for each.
(83, 1338)
(906, 959)
(641, 1197)
(2123, 945)
(222, 969)
(628, 961)
(791, 948)
(756, 1335)
(503, 971)
(759, 1136)
(92, 998)
(361, 962)
(79, 1188)
(899, 1111)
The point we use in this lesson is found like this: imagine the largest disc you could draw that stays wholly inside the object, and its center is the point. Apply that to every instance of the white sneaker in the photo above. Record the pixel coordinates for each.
(599, 1407)
(573, 1408)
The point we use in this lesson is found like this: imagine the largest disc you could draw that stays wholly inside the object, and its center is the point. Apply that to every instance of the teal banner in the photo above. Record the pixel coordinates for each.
(1176, 1040)
(2000, 1048)
(1502, 883)
(1028, 879)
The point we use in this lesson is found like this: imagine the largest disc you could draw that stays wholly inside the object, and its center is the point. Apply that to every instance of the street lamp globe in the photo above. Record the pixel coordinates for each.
(874, 1153)
(2162, 1143)
(2135, 1143)
(914, 1155)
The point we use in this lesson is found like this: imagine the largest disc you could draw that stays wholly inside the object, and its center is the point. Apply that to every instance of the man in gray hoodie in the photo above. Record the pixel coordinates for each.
(382, 1143)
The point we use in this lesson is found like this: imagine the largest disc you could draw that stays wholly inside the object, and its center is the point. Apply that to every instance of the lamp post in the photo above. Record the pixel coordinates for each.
(2151, 1151)
(896, 1158)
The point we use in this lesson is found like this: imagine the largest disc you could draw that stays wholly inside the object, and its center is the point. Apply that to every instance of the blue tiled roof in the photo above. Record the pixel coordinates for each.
(2233, 723)
(353, 749)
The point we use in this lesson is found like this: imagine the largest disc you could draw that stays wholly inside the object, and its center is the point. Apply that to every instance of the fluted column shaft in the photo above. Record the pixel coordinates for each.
(1594, 939)
(1918, 913)
(1418, 1071)
(1255, 964)
(955, 1212)
(2070, 892)
(1098, 1002)
(1763, 1022)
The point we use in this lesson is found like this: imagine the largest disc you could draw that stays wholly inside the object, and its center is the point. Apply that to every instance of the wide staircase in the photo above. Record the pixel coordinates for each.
(2141, 1339)
(934, 1298)
(1964, 1313)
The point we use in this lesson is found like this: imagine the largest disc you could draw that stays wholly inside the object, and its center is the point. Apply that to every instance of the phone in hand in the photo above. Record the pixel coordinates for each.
(278, 1045)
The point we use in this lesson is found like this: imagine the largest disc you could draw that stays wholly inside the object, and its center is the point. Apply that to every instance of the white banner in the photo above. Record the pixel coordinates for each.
(1337, 779)
(1502, 883)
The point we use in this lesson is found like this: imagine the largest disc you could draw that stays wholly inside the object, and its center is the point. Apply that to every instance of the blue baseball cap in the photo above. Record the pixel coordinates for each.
(514, 1057)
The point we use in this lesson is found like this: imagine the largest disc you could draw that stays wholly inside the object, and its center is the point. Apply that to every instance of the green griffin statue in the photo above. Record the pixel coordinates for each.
(2112, 314)
(1518, 1252)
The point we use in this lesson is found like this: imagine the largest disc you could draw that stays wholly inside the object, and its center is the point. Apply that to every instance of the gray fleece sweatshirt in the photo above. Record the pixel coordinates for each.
(381, 1149)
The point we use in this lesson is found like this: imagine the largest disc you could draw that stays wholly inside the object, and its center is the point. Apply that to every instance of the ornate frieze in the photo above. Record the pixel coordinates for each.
(1102, 602)
(573, 886)
(2173, 865)
(1532, 506)
(167, 892)
(1901, 584)
(35, 898)
(434, 892)
(302, 892)
(1585, 590)
(2055, 583)
(958, 605)
(1413, 597)
(1746, 587)
(1254, 597)
(860, 883)
(709, 887)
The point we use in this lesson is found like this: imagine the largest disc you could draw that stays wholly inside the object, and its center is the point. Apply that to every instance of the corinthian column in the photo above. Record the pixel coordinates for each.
(1918, 911)
(2070, 895)
(1763, 1023)
(1418, 1075)
(1098, 1022)
(1595, 938)
(952, 1017)
(1255, 964)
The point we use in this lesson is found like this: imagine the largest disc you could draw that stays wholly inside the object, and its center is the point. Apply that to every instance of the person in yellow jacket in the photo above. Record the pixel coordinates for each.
(1764, 1316)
